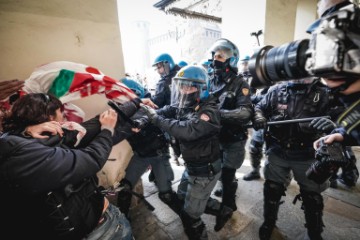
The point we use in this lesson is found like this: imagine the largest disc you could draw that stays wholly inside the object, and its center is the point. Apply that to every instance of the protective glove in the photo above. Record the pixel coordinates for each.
(323, 125)
(149, 112)
(259, 121)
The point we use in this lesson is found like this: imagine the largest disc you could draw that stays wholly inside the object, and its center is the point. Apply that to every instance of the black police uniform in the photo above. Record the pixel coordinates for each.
(151, 148)
(234, 102)
(161, 98)
(197, 129)
(289, 148)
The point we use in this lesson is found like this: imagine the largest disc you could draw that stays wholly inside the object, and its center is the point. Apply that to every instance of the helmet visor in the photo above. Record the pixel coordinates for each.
(185, 93)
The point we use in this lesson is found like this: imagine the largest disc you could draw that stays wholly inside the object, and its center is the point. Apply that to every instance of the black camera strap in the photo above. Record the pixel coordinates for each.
(350, 118)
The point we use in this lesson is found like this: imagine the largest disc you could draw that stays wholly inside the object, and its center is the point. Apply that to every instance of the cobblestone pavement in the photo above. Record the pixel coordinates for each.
(341, 213)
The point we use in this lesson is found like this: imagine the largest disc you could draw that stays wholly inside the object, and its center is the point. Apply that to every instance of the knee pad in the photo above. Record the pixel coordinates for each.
(124, 197)
(125, 184)
(171, 199)
(227, 175)
(312, 201)
(255, 147)
(125, 192)
(273, 190)
(166, 197)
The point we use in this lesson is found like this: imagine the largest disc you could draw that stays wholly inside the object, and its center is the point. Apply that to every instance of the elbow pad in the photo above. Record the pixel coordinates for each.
(239, 116)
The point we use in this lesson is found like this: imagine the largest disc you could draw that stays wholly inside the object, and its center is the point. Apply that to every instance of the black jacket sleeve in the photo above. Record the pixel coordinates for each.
(243, 111)
(34, 167)
(192, 128)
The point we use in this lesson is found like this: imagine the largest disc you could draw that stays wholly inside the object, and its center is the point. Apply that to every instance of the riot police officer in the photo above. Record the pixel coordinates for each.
(167, 69)
(151, 148)
(233, 96)
(289, 148)
(257, 142)
(194, 119)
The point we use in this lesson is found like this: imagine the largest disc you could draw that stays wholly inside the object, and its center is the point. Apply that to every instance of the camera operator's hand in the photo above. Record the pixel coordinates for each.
(323, 125)
(150, 112)
(259, 121)
(329, 139)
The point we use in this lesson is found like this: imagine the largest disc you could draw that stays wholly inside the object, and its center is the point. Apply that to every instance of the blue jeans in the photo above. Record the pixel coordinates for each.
(116, 226)
(159, 165)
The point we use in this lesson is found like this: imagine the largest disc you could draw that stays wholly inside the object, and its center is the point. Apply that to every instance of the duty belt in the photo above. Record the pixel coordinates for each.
(203, 169)
(290, 145)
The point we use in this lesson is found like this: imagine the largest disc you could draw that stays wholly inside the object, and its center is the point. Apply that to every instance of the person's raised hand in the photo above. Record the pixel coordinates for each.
(108, 119)
(148, 102)
(37, 131)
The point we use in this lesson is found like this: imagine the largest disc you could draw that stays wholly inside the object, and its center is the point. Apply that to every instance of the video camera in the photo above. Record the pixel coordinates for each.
(330, 157)
(333, 51)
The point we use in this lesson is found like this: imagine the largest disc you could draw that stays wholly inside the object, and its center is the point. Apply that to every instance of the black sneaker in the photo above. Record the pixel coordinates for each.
(254, 174)
(346, 182)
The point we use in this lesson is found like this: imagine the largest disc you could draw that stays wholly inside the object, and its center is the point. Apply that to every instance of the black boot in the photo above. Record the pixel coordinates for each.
(228, 204)
(222, 218)
(194, 228)
(272, 195)
(171, 199)
(230, 186)
(124, 197)
(313, 208)
(254, 174)
(333, 180)
(212, 207)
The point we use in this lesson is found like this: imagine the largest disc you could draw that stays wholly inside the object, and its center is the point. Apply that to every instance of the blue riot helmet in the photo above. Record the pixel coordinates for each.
(244, 66)
(182, 63)
(228, 49)
(189, 86)
(136, 87)
(245, 59)
(166, 61)
(206, 63)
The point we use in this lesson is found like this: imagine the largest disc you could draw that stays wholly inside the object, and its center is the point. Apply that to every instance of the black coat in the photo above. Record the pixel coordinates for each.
(197, 130)
(36, 177)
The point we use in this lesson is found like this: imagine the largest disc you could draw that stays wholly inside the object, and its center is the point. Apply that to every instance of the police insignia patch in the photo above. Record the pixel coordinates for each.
(245, 91)
(204, 117)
